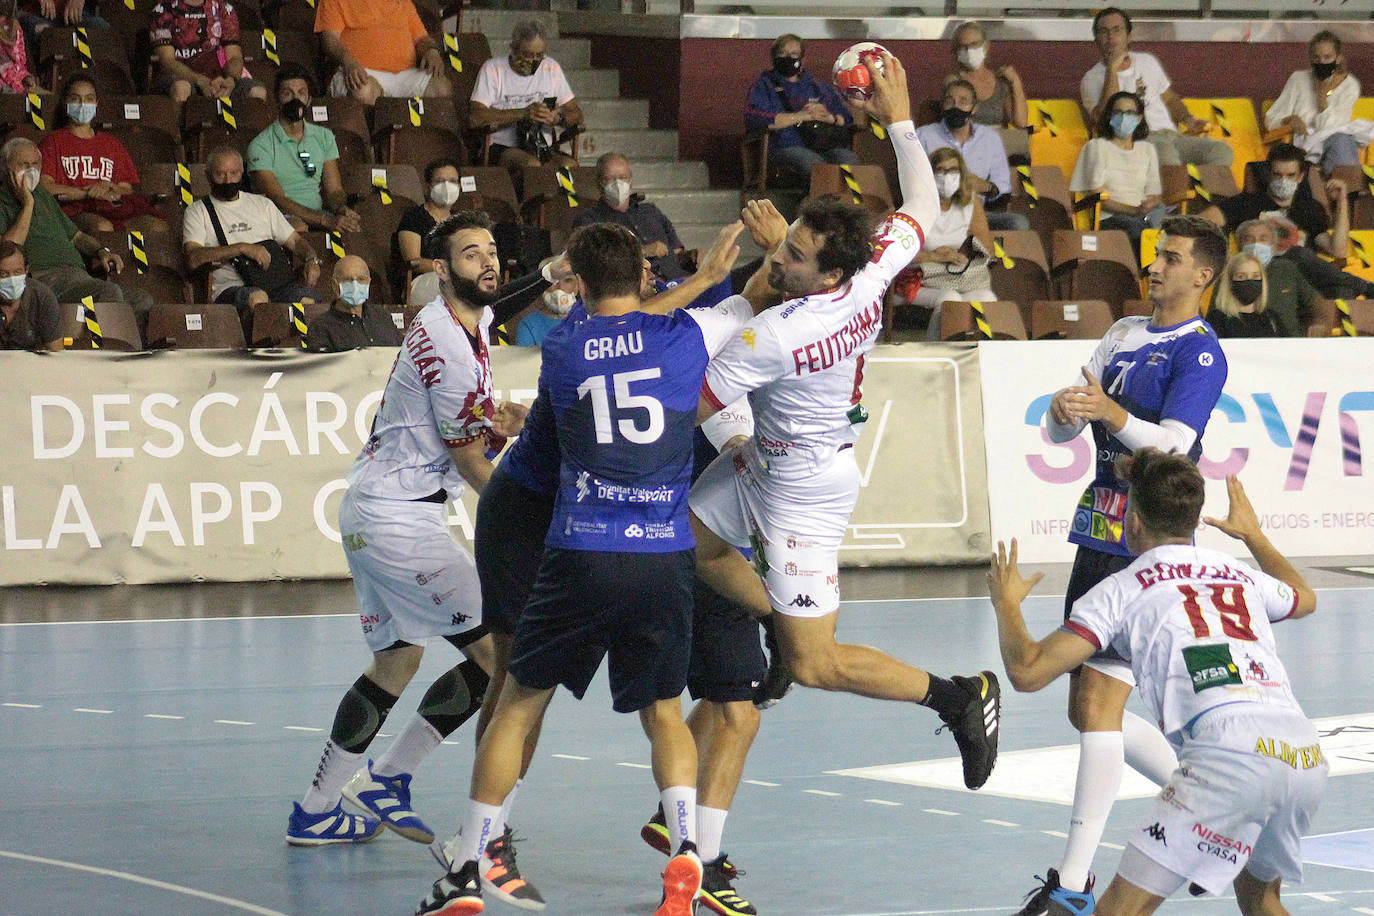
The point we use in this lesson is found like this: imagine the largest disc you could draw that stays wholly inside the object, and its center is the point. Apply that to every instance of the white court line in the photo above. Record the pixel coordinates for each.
(883, 801)
(760, 782)
(1113, 846)
(995, 822)
(150, 882)
(569, 757)
(302, 728)
(153, 715)
(100, 712)
(1364, 909)
(22, 705)
(939, 811)
(232, 722)
(635, 766)
(1059, 833)
(821, 792)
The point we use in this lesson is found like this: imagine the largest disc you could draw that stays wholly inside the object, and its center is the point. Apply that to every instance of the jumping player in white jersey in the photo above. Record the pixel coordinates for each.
(1194, 626)
(436, 431)
(790, 491)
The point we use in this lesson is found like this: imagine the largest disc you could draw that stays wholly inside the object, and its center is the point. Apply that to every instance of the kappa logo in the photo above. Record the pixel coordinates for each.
(583, 488)
(803, 601)
(1204, 359)
(460, 619)
(634, 531)
(1156, 833)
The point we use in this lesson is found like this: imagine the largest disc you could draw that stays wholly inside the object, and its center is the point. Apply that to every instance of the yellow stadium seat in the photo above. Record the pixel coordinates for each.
(1233, 122)
(1361, 254)
(1057, 133)
(1364, 111)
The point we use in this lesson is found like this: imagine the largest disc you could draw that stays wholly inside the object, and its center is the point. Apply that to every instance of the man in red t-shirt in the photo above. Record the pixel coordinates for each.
(196, 48)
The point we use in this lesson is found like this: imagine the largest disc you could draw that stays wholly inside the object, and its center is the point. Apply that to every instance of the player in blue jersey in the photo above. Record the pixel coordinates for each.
(618, 567)
(1153, 381)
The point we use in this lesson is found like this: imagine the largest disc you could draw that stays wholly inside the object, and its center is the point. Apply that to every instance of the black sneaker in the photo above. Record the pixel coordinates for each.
(655, 833)
(455, 894)
(1037, 901)
(718, 894)
(777, 680)
(975, 726)
(501, 876)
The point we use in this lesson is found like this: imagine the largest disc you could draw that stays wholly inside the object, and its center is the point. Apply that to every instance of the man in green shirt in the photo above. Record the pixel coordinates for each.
(296, 163)
(56, 250)
(1290, 295)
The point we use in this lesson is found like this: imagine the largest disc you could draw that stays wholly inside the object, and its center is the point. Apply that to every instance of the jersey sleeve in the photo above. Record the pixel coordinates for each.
(754, 357)
(1097, 615)
(735, 420)
(721, 322)
(895, 245)
(1197, 377)
(1280, 599)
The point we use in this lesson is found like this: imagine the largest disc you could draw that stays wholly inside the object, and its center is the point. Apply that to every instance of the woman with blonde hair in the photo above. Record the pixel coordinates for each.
(999, 97)
(1240, 307)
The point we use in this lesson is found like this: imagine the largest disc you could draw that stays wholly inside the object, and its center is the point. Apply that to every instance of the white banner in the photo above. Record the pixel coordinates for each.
(1289, 422)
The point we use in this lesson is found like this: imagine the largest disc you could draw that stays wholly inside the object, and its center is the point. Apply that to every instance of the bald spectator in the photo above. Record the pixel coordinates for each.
(621, 205)
(352, 321)
(28, 309)
(57, 252)
(525, 100)
(382, 49)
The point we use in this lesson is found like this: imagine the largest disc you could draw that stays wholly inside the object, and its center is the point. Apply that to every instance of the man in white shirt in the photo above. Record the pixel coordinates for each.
(1193, 627)
(1319, 104)
(525, 100)
(245, 221)
(1122, 69)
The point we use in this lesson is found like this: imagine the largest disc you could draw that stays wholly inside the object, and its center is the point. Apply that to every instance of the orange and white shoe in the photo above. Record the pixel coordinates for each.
(681, 883)
(501, 876)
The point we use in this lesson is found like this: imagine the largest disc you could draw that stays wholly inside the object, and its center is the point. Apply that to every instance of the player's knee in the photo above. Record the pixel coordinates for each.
(454, 697)
(360, 715)
(815, 667)
(1097, 710)
(741, 718)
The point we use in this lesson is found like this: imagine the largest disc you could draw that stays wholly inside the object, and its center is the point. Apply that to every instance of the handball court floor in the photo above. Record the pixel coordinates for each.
(154, 738)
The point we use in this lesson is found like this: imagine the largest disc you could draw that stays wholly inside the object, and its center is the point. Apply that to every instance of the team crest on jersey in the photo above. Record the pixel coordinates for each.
(473, 418)
(1204, 359)
(583, 487)
(354, 542)
(748, 336)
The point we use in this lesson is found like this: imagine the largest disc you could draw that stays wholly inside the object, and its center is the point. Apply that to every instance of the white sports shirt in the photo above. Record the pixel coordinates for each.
(438, 397)
(1195, 625)
(801, 361)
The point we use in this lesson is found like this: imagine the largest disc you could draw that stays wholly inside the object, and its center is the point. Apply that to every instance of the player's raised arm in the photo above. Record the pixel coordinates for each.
(1242, 523)
(713, 268)
(891, 107)
(1030, 664)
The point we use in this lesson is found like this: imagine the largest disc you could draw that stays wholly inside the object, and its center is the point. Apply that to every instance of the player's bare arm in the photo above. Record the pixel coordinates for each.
(1242, 523)
(713, 268)
(472, 463)
(1030, 664)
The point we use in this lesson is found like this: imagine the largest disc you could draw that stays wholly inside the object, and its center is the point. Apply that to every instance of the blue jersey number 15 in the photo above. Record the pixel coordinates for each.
(596, 387)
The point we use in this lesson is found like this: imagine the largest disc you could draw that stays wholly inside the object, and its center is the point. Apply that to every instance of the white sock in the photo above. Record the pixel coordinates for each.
(506, 805)
(409, 749)
(336, 767)
(680, 811)
(1100, 762)
(483, 824)
(710, 828)
(1148, 752)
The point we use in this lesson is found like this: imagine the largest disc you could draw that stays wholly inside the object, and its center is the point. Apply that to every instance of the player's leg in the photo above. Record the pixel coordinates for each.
(725, 570)
(1121, 898)
(724, 733)
(674, 758)
(1256, 897)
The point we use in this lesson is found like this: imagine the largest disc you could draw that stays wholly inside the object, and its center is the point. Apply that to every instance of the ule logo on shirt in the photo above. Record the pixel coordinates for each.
(89, 168)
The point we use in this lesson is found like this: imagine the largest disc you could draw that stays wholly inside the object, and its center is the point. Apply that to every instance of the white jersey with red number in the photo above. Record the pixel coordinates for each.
(801, 362)
(1195, 625)
(438, 397)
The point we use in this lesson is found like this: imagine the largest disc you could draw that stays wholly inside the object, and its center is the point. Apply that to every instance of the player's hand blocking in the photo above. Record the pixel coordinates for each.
(1006, 586)
(766, 225)
(509, 419)
(715, 265)
(1241, 521)
(890, 102)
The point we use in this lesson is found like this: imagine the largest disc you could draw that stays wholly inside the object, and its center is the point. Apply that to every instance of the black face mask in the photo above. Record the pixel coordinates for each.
(225, 190)
(786, 66)
(1246, 291)
(955, 118)
(293, 110)
(1324, 71)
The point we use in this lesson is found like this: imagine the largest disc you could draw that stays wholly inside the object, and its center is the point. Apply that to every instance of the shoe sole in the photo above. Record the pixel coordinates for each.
(681, 884)
(414, 834)
(656, 836)
(462, 907)
(519, 903)
(331, 841)
(715, 905)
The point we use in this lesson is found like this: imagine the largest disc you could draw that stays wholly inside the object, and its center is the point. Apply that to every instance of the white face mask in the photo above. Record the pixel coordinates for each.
(11, 288)
(445, 193)
(1260, 251)
(1283, 188)
(947, 183)
(29, 177)
(81, 112)
(616, 192)
(972, 58)
(559, 301)
(354, 292)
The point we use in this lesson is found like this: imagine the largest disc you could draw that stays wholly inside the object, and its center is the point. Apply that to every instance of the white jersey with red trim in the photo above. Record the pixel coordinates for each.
(801, 362)
(438, 397)
(1195, 625)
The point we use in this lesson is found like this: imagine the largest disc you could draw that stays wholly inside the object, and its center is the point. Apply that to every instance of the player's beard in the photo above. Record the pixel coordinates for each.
(469, 291)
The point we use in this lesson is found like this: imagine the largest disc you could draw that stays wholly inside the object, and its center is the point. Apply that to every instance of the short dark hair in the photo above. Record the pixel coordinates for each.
(290, 70)
(1109, 11)
(847, 230)
(1165, 490)
(80, 76)
(438, 239)
(1210, 247)
(956, 84)
(1285, 152)
(608, 258)
(1104, 120)
(783, 39)
(9, 249)
(437, 164)
(604, 160)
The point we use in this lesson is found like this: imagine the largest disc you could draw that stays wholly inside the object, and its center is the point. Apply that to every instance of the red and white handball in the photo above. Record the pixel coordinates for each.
(850, 75)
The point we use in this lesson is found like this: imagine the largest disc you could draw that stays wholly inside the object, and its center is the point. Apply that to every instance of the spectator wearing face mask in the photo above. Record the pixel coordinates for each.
(1241, 306)
(296, 163)
(28, 309)
(621, 205)
(981, 149)
(1119, 163)
(89, 171)
(351, 322)
(1318, 105)
(1288, 295)
(787, 100)
(554, 305)
(442, 189)
(1000, 99)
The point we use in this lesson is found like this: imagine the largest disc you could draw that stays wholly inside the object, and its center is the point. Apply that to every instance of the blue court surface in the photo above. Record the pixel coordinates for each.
(152, 764)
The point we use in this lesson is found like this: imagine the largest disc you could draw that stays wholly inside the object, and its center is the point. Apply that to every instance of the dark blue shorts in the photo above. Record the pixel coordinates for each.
(585, 605)
(727, 658)
(508, 545)
(1089, 568)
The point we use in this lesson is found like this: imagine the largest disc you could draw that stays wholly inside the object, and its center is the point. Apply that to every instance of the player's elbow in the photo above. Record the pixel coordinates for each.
(1024, 679)
(1306, 604)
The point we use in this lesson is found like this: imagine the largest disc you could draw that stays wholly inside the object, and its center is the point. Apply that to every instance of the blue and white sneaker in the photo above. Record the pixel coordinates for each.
(1064, 902)
(337, 826)
(388, 797)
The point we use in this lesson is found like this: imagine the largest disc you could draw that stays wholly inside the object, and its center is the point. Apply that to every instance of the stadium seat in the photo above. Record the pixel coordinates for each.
(1197, 186)
(147, 125)
(493, 191)
(270, 324)
(1360, 260)
(1137, 307)
(194, 327)
(1234, 123)
(1098, 265)
(57, 46)
(17, 117)
(869, 185)
(1082, 319)
(402, 181)
(118, 326)
(1042, 193)
(1058, 133)
(205, 123)
(960, 321)
(875, 150)
(1338, 317)
(416, 130)
(1020, 271)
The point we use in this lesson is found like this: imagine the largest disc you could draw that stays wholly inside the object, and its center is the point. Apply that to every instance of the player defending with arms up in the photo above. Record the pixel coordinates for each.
(789, 492)
(1194, 625)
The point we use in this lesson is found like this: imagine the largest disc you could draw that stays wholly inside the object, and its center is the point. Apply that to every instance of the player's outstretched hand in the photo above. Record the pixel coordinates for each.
(1241, 522)
(891, 101)
(766, 225)
(716, 263)
(509, 419)
(1006, 586)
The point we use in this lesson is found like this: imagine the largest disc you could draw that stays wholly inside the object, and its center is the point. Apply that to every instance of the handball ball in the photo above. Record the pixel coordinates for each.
(850, 75)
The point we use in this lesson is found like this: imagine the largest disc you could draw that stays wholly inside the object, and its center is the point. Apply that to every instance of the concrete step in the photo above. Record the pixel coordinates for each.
(686, 206)
(593, 84)
(636, 144)
(571, 53)
(701, 235)
(616, 114)
(653, 175)
(497, 24)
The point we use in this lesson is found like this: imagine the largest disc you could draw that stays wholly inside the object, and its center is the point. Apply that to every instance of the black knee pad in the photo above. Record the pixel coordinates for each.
(360, 716)
(454, 697)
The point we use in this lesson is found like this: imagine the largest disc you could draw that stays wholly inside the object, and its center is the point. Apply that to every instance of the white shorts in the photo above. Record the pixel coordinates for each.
(794, 527)
(1229, 807)
(412, 579)
(408, 84)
